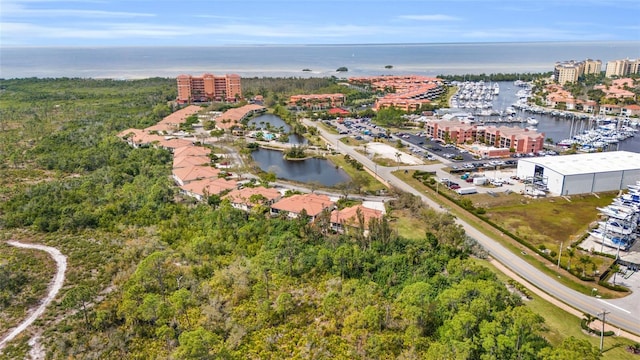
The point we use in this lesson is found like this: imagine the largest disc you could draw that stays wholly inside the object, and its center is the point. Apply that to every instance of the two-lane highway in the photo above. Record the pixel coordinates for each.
(625, 318)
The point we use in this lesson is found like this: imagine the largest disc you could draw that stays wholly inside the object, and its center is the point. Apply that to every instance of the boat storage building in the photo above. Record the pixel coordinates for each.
(582, 173)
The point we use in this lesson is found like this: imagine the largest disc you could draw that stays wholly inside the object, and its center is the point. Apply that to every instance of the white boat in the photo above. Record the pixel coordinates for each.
(496, 89)
(617, 211)
(532, 121)
(617, 227)
(621, 242)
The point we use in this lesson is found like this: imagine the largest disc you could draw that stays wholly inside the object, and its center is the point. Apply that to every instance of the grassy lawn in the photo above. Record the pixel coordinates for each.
(560, 325)
(516, 248)
(547, 222)
(408, 226)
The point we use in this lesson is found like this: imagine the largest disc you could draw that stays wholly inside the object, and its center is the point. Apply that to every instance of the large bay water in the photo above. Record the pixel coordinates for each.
(288, 60)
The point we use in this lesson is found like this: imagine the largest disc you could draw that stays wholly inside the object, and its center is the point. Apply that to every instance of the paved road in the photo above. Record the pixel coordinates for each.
(623, 314)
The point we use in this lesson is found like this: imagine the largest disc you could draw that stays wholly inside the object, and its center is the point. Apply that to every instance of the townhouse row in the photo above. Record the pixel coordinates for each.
(194, 174)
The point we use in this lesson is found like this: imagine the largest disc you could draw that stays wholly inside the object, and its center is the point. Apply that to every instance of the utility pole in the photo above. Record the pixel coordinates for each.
(604, 315)
(560, 253)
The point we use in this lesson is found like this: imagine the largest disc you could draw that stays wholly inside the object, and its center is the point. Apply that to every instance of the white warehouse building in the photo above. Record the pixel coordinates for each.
(582, 173)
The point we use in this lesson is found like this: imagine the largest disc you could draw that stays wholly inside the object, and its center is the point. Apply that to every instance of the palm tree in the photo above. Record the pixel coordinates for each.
(570, 252)
(398, 155)
(615, 268)
(584, 260)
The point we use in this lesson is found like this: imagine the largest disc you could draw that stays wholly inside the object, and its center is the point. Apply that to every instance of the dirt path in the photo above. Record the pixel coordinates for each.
(54, 287)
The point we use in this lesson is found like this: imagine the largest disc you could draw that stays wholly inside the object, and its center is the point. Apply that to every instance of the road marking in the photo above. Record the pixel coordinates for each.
(617, 307)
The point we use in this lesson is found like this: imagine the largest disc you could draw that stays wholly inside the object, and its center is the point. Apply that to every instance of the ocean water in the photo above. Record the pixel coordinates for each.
(322, 60)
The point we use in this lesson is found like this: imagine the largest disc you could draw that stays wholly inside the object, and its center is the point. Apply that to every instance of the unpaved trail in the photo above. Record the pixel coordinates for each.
(54, 287)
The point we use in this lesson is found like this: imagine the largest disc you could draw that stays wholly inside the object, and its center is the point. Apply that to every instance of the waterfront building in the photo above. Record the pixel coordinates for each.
(622, 67)
(568, 71)
(582, 173)
(509, 139)
(316, 101)
(592, 67)
(407, 93)
(208, 87)
(232, 118)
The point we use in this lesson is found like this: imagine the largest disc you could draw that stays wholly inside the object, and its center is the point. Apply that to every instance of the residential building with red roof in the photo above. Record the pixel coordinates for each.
(191, 150)
(199, 189)
(342, 220)
(518, 140)
(407, 93)
(293, 206)
(317, 101)
(189, 161)
(208, 87)
(171, 144)
(137, 137)
(630, 110)
(187, 174)
(617, 89)
(248, 197)
(233, 117)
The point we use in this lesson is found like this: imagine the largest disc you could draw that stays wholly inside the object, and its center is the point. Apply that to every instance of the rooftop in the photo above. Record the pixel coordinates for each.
(589, 163)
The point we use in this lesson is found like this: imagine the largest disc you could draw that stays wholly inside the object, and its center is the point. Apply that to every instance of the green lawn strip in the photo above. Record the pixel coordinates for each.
(325, 127)
(560, 324)
(513, 246)
(347, 140)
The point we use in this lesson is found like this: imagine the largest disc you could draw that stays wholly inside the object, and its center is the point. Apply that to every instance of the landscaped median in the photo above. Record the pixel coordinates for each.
(482, 217)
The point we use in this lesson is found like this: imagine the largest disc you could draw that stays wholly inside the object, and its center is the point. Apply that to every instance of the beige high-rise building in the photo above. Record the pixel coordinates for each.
(568, 71)
(208, 87)
(592, 66)
(622, 67)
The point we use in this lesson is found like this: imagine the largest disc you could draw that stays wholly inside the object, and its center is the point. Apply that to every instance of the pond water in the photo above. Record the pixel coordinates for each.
(275, 122)
(320, 171)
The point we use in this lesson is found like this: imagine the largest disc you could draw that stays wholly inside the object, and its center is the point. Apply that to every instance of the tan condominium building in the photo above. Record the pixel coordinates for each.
(569, 71)
(592, 66)
(208, 87)
(622, 67)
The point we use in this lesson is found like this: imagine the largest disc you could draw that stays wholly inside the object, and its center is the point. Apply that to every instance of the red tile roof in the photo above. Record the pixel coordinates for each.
(190, 161)
(191, 151)
(243, 196)
(210, 186)
(349, 216)
(187, 174)
(312, 203)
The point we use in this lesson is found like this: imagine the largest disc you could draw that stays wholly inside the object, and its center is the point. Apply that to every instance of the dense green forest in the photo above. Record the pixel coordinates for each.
(154, 276)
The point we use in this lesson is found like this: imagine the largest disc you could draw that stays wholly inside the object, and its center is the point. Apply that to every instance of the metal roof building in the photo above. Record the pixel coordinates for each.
(582, 173)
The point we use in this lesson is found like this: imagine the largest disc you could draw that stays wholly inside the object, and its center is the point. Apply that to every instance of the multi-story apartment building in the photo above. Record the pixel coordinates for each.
(568, 71)
(517, 140)
(622, 67)
(208, 87)
(408, 92)
(317, 101)
(592, 66)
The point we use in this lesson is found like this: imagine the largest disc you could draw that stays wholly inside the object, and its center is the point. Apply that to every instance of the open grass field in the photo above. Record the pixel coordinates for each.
(548, 222)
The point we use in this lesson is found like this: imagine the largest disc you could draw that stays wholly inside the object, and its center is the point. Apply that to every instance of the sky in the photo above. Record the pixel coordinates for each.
(241, 22)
